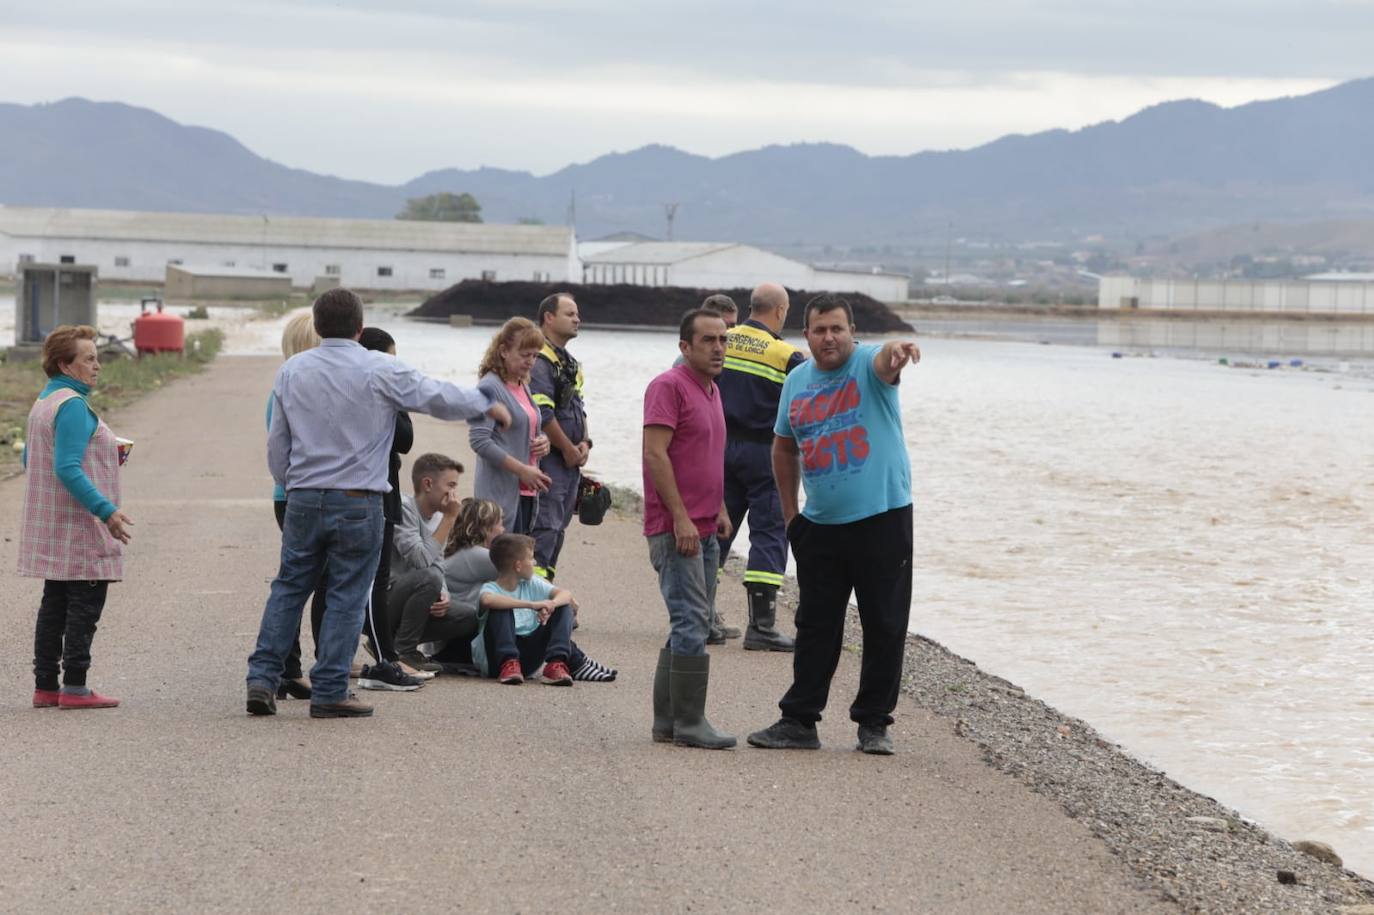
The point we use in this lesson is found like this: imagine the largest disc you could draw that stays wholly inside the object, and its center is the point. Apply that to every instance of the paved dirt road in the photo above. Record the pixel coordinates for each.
(465, 795)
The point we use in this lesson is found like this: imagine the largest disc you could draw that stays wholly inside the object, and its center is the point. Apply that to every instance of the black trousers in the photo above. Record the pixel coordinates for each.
(872, 558)
(67, 617)
(381, 623)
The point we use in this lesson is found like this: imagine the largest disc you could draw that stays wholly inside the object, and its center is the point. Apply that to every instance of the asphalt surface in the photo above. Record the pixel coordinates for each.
(466, 795)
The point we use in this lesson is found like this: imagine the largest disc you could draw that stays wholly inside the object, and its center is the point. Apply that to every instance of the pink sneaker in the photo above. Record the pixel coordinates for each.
(92, 699)
(45, 698)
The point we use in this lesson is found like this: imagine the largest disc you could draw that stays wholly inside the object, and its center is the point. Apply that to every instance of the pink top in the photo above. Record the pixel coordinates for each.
(59, 539)
(522, 397)
(677, 400)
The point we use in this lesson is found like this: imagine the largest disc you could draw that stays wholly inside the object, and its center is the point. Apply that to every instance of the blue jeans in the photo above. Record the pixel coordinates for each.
(688, 585)
(347, 530)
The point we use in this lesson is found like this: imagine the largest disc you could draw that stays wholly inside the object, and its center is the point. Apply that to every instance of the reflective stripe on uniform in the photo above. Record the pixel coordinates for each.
(763, 578)
(755, 368)
(545, 572)
(543, 400)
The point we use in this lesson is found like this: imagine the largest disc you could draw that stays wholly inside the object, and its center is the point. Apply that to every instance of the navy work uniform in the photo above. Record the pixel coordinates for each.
(756, 364)
(556, 387)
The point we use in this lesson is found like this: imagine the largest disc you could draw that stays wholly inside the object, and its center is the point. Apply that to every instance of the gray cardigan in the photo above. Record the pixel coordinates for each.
(492, 444)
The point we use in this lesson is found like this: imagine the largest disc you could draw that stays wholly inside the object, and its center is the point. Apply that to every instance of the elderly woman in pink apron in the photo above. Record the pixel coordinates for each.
(72, 527)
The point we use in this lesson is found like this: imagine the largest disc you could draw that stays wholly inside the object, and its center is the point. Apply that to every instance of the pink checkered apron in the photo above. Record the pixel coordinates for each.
(59, 539)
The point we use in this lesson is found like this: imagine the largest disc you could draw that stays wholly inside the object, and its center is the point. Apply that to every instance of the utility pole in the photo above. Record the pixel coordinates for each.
(949, 238)
(670, 211)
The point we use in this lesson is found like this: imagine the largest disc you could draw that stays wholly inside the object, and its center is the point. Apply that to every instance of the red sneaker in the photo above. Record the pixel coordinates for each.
(510, 673)
(92, 699)
(556, 673)
(45, 698)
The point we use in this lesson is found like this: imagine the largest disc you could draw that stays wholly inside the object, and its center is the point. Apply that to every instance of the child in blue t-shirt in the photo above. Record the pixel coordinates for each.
(526, 622)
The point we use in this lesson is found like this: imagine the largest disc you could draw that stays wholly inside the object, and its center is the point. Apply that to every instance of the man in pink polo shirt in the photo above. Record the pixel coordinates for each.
(684, 513)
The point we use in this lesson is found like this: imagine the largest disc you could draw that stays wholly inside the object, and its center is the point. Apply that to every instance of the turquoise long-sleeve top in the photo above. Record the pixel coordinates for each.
(72, 431)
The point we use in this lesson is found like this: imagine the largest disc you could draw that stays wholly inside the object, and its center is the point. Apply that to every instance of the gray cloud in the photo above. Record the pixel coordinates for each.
(418, 84)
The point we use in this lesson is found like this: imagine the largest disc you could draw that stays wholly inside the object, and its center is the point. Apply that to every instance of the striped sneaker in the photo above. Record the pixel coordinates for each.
(591, 672)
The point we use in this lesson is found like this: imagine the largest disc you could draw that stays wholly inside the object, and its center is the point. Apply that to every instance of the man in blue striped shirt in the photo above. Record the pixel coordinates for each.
(334, 413)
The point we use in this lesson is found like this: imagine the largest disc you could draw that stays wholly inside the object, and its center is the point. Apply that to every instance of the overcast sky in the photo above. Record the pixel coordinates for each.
(386, 91)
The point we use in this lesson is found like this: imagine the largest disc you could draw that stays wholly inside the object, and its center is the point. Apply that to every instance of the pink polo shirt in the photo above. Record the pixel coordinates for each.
(677, 400)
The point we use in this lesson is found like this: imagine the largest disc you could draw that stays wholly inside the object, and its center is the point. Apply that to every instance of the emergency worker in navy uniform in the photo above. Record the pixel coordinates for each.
(556, 387)
(757, 361)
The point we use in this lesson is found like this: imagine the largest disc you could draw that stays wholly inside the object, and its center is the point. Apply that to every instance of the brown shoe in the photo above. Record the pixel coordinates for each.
(349, 708)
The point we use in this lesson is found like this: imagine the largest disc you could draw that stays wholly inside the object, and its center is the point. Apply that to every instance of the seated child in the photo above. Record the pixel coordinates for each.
(527, 622)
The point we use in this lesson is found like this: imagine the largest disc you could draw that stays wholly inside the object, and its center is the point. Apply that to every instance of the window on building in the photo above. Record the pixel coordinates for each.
(26, 258)
(121, 262)
(174, 261)
(231, 263)
(67, 259)
(332, 270)
(278, 268)
(436, 273)
(384, 271)
(489, 276)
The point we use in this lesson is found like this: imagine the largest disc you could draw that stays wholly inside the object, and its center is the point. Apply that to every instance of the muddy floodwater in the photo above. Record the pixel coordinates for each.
(1177, 551)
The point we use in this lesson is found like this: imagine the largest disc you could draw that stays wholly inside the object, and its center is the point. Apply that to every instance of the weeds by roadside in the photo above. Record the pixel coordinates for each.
(121, 381)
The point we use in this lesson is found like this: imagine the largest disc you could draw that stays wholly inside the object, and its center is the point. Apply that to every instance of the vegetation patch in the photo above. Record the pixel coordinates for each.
(122, 381)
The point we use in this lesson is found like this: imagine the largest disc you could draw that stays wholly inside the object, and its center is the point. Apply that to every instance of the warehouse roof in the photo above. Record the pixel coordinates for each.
(279, 231)
(658, 252)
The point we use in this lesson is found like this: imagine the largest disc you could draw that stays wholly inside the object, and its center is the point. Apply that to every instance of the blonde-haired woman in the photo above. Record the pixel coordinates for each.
(298, 336)
(72, 529)
(508, 459)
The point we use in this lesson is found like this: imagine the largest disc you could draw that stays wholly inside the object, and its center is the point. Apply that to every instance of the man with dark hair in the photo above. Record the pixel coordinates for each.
(724, 306)
(839, 431)
(684, 513)
(418, 601)
(333, 416)
(757, 362)
(556, 388)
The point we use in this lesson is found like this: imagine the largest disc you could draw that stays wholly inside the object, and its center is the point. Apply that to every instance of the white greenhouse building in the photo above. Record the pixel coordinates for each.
(375, 254)
(1323, 294)
(724, 265)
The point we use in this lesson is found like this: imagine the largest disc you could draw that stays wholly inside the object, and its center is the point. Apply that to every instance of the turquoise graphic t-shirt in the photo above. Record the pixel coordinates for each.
(848, 426)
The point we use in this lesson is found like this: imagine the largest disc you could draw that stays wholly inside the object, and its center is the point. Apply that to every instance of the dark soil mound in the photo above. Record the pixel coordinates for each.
(628, 305)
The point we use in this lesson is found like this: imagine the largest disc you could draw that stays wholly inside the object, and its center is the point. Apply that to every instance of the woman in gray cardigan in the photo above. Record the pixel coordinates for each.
(508, 459)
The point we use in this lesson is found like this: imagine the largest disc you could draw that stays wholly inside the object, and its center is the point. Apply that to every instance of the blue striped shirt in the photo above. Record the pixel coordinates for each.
(334, 413)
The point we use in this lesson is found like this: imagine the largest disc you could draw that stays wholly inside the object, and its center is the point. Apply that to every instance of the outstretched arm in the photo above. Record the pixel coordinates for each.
(893, 357)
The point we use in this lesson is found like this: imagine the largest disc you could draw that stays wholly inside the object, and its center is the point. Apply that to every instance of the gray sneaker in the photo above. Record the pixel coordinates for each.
(786, 734)
(873, 739)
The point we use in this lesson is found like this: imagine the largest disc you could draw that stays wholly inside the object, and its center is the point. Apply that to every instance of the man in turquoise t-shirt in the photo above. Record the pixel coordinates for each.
(839, 432)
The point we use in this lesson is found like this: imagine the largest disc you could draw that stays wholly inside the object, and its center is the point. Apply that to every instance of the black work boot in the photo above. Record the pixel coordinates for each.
(663, 702)
(687, 681)
(763, 614)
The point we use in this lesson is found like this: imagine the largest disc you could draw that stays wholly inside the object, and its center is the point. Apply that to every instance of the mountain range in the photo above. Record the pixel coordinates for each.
(1178, 167)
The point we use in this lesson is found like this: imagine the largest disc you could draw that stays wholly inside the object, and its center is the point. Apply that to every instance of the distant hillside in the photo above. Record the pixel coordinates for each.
(1177, 168)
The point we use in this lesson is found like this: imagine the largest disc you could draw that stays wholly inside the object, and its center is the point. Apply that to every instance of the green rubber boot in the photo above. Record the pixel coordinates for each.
(687, 681)
(663, 702)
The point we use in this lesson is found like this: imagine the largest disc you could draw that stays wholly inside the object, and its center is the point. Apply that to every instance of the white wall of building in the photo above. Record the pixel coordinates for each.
(146, 261)
(1241, 296)
(885, 287)
(739, 267)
